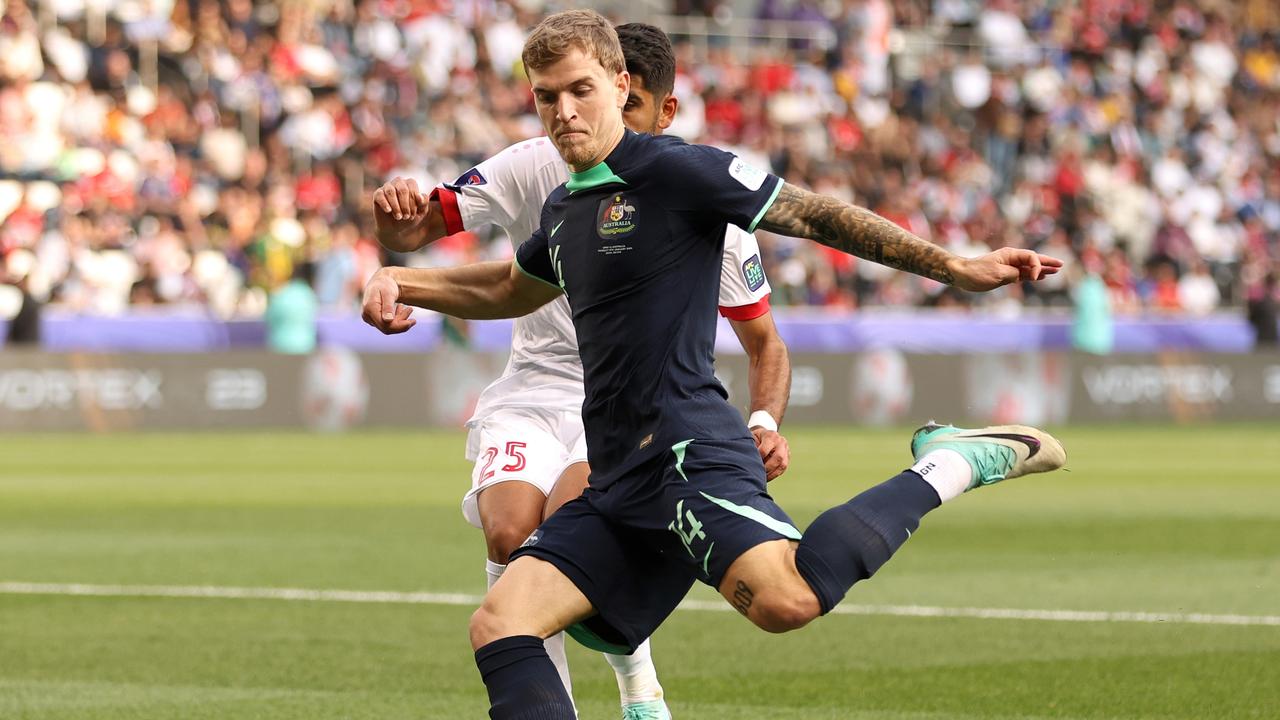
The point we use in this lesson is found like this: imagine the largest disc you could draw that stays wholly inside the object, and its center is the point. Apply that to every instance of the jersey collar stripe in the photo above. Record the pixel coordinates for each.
(449, 208)
(760, 215)
(597, 176)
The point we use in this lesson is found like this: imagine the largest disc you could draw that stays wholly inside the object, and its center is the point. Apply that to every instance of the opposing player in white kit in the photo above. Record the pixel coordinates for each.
(527, 438)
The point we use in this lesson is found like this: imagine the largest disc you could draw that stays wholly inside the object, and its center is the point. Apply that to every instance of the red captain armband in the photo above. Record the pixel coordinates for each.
(449, 207)
(742, 313)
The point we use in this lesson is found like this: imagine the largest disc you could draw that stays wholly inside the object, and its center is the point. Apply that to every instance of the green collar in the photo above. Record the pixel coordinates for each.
(600, 174)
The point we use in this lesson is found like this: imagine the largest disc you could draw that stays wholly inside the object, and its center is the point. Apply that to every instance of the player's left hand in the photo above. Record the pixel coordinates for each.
(1004, 266)
(380, 308)
(774, 451)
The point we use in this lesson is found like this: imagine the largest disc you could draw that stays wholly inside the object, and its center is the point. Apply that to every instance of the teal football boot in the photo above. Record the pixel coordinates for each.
(995, 453)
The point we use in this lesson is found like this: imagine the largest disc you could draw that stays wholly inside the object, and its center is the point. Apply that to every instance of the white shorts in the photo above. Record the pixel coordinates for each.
(525, 444)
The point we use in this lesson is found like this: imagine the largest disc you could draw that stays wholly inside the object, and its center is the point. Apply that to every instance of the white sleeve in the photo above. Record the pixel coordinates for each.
(744, 289)
(495, 192)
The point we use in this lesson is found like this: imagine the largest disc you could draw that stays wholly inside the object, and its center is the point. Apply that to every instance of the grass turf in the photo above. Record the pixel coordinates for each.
(1158, 519)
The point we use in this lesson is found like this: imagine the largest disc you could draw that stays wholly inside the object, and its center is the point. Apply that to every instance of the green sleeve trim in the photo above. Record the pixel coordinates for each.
(520, 267)
(760, 215)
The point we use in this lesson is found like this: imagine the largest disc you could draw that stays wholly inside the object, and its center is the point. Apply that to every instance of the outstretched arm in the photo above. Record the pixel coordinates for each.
(858, 231)
(769, 380)
(480, 291)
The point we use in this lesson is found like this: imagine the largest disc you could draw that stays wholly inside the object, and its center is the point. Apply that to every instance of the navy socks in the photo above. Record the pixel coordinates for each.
(522, 681)
(850, 542)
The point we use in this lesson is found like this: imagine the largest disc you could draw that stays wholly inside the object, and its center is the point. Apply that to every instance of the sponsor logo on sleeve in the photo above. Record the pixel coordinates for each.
(753, 273)
(470, 177)
(751, 177)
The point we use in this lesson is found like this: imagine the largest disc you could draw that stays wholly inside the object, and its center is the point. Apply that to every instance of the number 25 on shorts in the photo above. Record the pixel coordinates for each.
(513, 454)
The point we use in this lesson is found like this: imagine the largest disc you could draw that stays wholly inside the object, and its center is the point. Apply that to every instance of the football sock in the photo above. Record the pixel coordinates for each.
(494, 571)
(555, 643)
(850, 542)
(521, 681)
(947, 471)
(555, 651)
(637, 677)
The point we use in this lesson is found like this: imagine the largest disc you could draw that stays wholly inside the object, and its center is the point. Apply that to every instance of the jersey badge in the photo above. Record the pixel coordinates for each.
(750, 177)
(470, 177)
(753, 273)
(616, 218)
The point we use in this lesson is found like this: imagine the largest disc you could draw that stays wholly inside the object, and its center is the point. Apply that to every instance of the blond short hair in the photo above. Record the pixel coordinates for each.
(585, 30)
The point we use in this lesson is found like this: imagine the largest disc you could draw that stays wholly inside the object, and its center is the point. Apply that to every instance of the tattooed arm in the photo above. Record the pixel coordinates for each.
(858, 231)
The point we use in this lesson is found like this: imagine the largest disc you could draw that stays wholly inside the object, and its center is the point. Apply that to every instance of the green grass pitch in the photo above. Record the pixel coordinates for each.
(1148, 519)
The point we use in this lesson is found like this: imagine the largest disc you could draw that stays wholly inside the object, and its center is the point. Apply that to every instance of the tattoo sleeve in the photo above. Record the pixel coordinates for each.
(854, 230)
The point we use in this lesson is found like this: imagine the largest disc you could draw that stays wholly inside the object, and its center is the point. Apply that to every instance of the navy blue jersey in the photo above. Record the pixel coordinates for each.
(636, 244)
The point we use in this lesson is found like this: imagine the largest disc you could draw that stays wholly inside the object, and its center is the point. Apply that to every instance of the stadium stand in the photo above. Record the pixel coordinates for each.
(190, 153)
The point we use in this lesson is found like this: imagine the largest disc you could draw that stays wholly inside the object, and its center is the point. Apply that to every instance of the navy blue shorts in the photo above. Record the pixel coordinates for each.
(634, 548)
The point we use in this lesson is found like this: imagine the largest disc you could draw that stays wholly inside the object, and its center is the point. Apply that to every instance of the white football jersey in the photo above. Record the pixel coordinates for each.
(508, 190)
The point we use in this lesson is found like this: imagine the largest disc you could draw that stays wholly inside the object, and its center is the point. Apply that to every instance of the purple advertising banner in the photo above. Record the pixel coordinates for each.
(336, 388)
(803, 331)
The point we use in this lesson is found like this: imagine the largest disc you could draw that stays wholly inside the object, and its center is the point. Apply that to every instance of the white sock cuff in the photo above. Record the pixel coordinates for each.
(947, 471)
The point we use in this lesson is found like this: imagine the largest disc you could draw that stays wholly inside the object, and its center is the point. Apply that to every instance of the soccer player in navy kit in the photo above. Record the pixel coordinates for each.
(536, 405)
(677, 491)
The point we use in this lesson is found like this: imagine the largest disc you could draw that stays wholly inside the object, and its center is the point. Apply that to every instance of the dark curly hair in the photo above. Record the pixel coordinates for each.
(648, 53)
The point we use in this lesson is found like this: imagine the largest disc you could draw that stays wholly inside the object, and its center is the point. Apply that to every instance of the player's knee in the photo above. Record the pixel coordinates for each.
(486, 626)
(783, 611)
(505, 537)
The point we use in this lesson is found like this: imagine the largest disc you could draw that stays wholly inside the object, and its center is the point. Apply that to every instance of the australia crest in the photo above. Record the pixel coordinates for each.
(616, 217)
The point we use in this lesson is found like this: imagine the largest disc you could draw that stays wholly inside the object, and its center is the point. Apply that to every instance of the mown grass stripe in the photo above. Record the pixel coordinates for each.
(463, 599)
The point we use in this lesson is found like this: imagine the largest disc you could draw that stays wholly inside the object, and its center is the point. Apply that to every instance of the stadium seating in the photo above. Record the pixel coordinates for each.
(191, 153)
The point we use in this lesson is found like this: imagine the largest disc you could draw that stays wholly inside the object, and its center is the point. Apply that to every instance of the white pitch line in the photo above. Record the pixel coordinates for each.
(462, 599)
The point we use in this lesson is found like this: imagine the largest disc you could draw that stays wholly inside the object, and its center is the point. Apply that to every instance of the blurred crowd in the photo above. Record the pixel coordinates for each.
(1138, 140)
(200, 153)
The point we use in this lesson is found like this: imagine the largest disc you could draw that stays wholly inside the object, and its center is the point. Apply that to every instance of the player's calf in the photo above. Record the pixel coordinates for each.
(521, 681)
(504, 538)
(509, 513)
